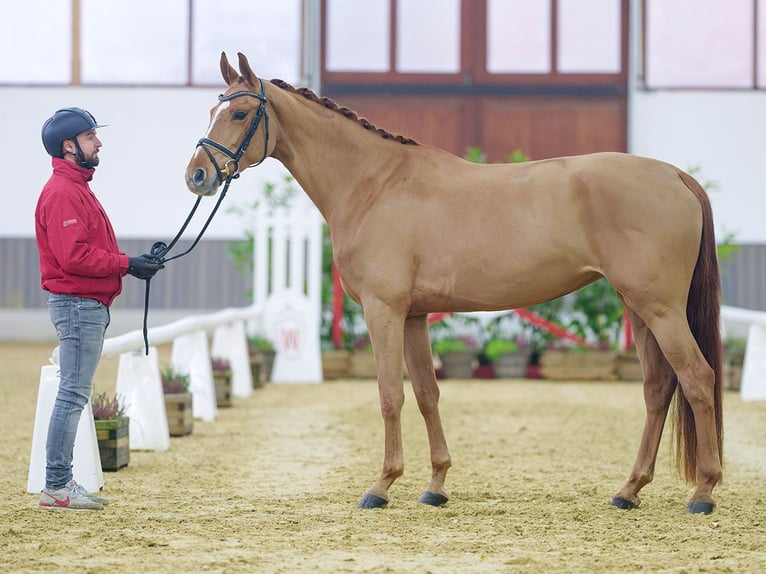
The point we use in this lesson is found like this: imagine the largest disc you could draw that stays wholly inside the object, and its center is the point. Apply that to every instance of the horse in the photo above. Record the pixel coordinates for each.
(417, 230)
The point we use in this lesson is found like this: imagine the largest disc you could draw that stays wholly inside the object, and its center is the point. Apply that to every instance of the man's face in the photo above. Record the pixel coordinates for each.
(90, 145)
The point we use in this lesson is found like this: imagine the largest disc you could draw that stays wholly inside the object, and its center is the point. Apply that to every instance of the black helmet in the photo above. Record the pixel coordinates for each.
(66, 124)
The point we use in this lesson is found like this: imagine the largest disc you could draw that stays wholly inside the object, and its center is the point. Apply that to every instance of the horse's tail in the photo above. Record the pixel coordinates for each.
(703, 313)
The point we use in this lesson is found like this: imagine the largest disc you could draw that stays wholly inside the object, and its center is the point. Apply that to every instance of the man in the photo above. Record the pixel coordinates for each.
(82, 268)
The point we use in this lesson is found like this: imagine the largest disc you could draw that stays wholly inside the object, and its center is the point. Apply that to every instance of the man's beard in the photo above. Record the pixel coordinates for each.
(90, 162)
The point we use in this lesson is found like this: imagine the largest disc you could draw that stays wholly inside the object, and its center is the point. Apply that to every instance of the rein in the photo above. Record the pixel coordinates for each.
(160, 249)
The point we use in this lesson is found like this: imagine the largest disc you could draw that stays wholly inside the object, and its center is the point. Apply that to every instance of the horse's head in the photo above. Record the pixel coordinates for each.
(238, 134)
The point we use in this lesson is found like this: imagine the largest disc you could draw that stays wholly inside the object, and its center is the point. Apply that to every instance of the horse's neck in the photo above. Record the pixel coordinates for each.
(331, 157)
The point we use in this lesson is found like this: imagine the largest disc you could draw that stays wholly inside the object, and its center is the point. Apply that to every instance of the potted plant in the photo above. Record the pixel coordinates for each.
(509, 359)
(112, 431)
(505, 347)
(222, 378)
(458, 356)
(454, 344)
(178, 402)
(262, 355)
(595, 315)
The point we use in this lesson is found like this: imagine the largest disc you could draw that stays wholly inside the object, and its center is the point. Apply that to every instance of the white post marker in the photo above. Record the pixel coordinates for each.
(753, 386)
(230, 342)
(190, 356)
(139, 385)
(86, 464)
(292, 326)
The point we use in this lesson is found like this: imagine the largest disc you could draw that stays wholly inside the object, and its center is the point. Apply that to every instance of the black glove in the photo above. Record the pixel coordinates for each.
(144, 266)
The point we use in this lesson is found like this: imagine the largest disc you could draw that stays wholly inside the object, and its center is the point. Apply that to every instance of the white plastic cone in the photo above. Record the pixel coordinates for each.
(230, 342)
(86, 464)
(139, 384)
(190, 356)
(754, 368)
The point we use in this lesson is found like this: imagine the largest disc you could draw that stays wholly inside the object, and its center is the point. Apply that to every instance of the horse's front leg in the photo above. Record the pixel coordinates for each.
(386, 329)
(417, 354)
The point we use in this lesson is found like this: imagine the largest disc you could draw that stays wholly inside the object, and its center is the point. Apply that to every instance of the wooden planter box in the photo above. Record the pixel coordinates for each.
(732, 376)
(628, 367)
(113, 443)
(336, 364)
(565, 365)
(261, 365)
(222, 380)
(179, 411)
(363, 365)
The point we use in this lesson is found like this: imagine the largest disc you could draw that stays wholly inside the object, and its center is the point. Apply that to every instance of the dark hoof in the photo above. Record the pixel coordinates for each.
(372, 501)
(433, 499)
(700, 507)
(622, 503)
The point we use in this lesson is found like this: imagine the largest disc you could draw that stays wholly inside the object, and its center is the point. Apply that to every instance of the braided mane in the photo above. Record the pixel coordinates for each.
(345, 112)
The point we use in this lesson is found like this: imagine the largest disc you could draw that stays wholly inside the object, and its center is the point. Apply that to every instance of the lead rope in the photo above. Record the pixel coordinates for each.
(160, 249)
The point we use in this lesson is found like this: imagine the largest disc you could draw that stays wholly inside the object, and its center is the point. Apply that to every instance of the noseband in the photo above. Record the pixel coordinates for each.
(231, 169)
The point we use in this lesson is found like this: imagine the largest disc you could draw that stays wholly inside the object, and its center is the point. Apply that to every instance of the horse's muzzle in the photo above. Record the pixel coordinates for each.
(196, 181)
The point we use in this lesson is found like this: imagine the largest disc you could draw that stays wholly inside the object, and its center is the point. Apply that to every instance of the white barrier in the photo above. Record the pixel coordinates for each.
(753, 387)
(86, 463)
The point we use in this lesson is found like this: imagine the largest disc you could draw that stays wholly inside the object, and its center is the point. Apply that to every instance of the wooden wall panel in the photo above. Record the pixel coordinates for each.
(545, 127)
(438, 121)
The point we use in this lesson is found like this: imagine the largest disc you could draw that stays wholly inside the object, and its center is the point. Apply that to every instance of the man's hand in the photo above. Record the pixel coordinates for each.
(144, 266)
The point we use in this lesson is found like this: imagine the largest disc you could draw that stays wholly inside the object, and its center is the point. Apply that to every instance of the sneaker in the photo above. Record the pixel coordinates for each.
(68, 497)
(81, 490)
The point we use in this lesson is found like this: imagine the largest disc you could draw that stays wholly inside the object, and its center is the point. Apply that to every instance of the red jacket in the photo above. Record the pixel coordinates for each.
(79, 254)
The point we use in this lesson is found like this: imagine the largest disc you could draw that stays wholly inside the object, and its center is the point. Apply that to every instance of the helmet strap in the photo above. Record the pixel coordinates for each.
(79, 155)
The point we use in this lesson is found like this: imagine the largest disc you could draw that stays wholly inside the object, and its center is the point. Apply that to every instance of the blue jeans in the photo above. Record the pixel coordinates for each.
(80, 327)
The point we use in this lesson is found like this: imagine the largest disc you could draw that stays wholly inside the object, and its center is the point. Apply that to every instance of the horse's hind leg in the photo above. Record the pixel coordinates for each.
(417, 354)
(659, 384)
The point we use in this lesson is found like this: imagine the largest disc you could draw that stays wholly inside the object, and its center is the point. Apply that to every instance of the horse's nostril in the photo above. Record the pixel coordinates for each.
(198, 177)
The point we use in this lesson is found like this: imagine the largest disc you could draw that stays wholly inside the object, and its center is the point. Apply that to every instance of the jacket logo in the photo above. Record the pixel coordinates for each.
(69, 222)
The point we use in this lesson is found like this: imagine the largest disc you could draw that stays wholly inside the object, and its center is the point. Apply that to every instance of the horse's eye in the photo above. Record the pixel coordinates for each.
(240, 115)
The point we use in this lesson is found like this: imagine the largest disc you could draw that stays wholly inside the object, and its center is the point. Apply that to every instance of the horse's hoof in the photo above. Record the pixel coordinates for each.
(433, 499)
(700, 507)
(372, 501)
(622, 503)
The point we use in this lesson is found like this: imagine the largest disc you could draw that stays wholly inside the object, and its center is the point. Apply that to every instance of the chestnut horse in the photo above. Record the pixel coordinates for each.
(417, 230)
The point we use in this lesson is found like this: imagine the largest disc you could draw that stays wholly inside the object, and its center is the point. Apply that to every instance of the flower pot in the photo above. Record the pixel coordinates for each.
(457, 364)
(179, 411)
(511, 365)
(113, 442)
(222, 381)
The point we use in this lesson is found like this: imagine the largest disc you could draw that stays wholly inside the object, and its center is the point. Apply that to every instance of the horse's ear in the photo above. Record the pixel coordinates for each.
(245, 70)
(229, 74)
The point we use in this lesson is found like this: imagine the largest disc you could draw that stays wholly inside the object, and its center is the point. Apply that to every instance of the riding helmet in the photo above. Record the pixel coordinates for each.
(66, 124)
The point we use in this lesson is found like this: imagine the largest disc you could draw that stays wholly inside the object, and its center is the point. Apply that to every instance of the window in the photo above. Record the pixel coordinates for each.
(40, 48)
(145, 42)
(461, 42)
(704, 44)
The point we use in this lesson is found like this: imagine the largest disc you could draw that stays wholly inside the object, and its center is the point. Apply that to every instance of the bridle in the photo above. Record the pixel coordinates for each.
(262, 114)
(229, 172)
